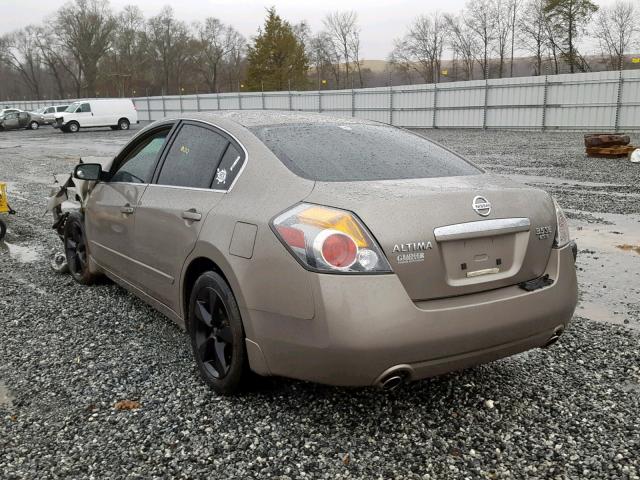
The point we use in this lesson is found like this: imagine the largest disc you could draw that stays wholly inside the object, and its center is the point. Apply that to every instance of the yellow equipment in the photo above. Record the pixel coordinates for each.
(4, 208)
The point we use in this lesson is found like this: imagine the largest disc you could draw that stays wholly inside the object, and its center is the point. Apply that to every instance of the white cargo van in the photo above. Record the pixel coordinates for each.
(117, 113)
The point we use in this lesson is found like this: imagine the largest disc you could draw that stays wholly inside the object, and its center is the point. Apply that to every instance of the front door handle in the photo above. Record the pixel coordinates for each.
(192, 214)
(126, 209)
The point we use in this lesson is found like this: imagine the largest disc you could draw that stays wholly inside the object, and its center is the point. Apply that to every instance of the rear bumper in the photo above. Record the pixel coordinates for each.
(366, 327)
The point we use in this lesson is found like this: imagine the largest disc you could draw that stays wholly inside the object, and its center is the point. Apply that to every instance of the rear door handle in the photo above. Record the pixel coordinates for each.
(192, 214)
(126, 209)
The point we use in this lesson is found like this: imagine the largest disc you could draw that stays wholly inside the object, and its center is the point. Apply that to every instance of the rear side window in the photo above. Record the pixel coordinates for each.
(230, 165)
(332, 152)
(193, 158)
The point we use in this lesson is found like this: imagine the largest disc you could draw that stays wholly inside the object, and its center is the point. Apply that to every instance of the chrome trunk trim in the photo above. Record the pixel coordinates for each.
(483, 228)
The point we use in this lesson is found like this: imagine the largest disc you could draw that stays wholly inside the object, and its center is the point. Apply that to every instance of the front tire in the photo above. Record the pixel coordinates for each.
(34, 125)
(217, 336)
(75, 249)
(73, 127)
(123, 124)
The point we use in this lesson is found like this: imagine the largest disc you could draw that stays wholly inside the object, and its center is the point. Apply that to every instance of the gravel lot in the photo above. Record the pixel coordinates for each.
(68, 354)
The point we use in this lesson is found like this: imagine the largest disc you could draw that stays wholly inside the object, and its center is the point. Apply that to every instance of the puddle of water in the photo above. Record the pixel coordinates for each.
(6, 400)
(608, 275)
(22, 253)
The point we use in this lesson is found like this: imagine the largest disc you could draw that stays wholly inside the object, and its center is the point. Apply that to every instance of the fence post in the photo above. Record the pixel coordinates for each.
(164, 108)
(218, 99)
(181, 110)
(486, 99)
(619, 101)
(319, 101)
(148, 106)
(262, 99)
(197, 102)
(239, 101)
(435, 105)
(353, 101)
(390, 105)
(544, 102)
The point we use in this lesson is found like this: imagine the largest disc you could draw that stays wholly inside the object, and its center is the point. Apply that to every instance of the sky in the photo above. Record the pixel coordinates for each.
(380, 20)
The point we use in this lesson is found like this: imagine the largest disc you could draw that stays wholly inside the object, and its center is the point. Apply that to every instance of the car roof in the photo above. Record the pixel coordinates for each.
(259, 118)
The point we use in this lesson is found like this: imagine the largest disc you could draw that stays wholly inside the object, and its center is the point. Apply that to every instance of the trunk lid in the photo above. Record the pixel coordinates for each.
(436, 241)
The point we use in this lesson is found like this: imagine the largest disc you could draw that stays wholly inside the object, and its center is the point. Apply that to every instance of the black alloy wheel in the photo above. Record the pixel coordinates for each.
(213, 335)
(217, 336)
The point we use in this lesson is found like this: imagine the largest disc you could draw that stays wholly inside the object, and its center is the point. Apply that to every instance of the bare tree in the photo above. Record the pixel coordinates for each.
(341, 27)
(479, 17)
(533, 32)
(502, 16)
(21, 52)
(354, 45)
(215, 41)
(463, 43)
(617, 28)
(514, 8)
(167, 41)
(85, 28)
(129, 51)
(421, 48)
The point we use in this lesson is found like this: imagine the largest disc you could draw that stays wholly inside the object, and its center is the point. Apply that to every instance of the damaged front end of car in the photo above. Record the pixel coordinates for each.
(67, 195)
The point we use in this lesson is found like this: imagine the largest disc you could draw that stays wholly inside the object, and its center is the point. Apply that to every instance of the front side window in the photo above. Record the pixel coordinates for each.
(72, 108)
(331, 152)
(137, 166)
(85, 108)
(51, 110)
(193, 158)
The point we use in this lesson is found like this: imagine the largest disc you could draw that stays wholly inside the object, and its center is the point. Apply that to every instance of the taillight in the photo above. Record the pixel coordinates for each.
(327, 239)
(562, 227)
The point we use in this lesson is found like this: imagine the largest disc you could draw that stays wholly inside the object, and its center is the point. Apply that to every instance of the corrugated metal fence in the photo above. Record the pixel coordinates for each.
(583, 101)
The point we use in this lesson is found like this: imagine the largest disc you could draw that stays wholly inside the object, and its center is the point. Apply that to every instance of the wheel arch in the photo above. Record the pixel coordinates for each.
(196, 266)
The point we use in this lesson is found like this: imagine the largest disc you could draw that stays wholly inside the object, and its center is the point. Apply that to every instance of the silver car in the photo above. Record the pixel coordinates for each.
(327, 249)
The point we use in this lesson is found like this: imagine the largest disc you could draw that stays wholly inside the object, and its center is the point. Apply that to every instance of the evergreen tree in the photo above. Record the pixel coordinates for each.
(277, 58)
(568, 19)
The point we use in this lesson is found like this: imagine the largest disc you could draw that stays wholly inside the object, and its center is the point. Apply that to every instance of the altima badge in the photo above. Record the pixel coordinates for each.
(481, 205)
(413, 251)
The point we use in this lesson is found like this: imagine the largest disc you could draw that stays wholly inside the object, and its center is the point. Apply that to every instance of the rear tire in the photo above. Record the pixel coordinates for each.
(123, 124)
(73, 127)
(217, 337)
(75, 249)
(34, 125)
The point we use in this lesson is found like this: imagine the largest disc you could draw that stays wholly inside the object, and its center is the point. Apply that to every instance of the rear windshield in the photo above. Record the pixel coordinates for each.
(355, 152)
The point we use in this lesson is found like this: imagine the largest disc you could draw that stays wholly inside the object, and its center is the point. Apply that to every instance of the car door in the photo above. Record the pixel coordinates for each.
(49, 114)
(11, 121)
(173, 208)
(112, 204)
(23, 119)
(84, 115)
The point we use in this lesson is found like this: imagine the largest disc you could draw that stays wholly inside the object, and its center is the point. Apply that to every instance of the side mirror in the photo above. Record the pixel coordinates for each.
(91, 172)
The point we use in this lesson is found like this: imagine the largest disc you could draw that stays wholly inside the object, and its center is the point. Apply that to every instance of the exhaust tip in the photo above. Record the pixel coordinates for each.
(392, 382)
(554, 338)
